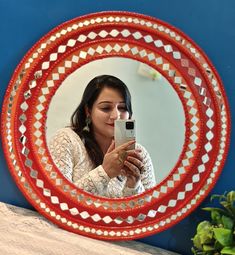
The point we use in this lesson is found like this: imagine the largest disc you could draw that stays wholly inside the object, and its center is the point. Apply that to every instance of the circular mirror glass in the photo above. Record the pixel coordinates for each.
(157, 109)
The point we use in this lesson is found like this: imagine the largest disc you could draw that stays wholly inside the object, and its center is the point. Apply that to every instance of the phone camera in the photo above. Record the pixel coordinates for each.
(129, 125)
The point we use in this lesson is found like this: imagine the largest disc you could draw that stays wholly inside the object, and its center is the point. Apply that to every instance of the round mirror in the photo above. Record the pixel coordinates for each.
(180, 108)
(157, 109)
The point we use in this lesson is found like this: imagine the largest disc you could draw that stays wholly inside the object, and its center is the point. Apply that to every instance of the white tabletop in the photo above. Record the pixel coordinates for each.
(23, 231)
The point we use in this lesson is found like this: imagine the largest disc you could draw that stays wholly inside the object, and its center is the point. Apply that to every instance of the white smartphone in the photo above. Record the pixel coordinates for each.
(124, 131)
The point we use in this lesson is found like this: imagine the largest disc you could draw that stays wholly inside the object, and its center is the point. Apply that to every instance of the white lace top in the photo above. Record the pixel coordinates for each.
(70, 156)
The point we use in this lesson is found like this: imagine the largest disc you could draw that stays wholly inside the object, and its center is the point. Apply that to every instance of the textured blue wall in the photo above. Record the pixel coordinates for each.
(210, 23)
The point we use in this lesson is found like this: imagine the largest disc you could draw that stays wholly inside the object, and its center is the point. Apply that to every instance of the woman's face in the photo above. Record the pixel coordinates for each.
(108, 107)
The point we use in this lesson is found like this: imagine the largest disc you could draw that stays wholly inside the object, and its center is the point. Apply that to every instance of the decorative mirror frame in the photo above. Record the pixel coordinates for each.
(97, 36)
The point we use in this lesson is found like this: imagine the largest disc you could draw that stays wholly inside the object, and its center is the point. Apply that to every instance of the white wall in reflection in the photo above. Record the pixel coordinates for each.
(158, 111)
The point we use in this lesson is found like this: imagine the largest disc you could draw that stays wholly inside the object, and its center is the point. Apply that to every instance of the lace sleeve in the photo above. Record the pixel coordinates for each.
(147, 177)
(133, 191)
(60, 148)
(95, 182)
(69, 155)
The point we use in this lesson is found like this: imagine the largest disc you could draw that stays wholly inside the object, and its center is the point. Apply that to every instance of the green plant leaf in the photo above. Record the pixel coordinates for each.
(220, 197)
(218, 246)
(216, 217)
(197, 252)
(193, 251)
(229, 208)
(231, 196)
(204, 234)
(228, 250)
(227, 222)
(219, 210)
(226, 204)
(231, 201)
(224, 236)
(204, 225)
(206, 237)
(207, 247)
(197, 242)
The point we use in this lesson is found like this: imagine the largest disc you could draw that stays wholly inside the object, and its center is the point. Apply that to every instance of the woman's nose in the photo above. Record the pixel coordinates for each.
(115, 114)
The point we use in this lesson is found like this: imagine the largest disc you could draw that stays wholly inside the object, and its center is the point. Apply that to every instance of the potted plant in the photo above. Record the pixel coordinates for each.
(218, 235)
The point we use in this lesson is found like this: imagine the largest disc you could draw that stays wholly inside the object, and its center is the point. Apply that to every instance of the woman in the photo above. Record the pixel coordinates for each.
(85, 152)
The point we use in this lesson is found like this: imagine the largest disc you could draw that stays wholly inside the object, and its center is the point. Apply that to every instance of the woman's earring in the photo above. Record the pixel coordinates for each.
(88, 122)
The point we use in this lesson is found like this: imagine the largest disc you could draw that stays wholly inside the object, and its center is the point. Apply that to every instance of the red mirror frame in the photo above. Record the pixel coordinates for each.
(129, 35)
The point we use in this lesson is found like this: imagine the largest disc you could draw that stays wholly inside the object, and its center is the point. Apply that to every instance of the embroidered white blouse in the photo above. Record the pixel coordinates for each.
(70, 156)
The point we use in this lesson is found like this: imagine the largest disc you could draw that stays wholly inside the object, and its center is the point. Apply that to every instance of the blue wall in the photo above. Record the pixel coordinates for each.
(210, 23)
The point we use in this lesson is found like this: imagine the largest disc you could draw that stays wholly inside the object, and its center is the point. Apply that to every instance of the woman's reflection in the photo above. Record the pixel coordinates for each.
(85, 152)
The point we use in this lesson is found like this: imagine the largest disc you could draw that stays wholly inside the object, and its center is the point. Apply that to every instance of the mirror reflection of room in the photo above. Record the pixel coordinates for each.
(100, 168)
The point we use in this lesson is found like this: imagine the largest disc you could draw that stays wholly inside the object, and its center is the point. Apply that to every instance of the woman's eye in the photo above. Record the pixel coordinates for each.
(122, 109)
(109, 108)
(105, 109)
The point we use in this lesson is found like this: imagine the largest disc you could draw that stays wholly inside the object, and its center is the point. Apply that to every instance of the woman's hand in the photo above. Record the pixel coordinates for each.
(133, 168)
(114, 159)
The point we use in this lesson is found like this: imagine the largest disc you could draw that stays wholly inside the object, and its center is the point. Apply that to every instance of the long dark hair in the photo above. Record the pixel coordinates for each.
(91, 93)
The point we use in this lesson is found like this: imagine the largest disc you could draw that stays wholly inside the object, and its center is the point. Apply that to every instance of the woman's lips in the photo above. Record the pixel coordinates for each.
(112, 125)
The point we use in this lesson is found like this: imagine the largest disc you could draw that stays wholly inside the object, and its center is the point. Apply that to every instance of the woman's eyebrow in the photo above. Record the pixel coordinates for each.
(110, 102)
